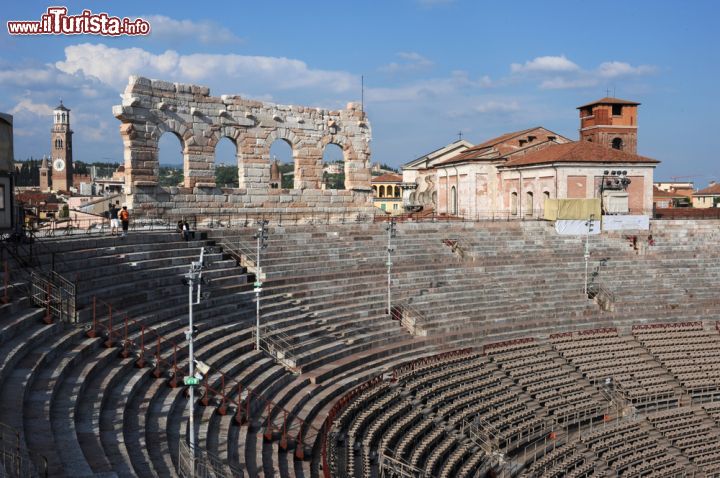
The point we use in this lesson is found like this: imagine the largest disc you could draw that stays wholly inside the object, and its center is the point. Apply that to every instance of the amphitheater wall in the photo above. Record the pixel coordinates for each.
(151, 108)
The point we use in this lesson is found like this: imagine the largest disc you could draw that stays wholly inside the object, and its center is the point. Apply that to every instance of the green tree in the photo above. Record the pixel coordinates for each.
(226, 176)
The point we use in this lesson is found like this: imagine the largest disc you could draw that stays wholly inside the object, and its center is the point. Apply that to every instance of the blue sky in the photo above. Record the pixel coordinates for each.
(431, 67)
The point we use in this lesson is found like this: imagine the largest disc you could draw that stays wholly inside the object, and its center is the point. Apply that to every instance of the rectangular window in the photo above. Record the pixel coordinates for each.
(2, 197)
(383, 206)
(395, 206)
(617, 110)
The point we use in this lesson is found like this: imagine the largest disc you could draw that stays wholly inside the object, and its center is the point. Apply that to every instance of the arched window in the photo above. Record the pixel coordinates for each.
(397, 191)
(334, 157)
(529, 205)
(382, 191)
(453, 200)
(617, 143)
(170, 160)
(546, 194)
(226, 172)
(282, 151)
(63, 118)
(513, 204)
(375, 191)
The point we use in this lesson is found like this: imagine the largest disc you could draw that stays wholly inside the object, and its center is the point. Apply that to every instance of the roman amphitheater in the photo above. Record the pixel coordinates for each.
(494, 359)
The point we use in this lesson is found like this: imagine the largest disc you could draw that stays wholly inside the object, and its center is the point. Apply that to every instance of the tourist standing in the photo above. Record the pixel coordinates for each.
(125, 220)
(114, 221)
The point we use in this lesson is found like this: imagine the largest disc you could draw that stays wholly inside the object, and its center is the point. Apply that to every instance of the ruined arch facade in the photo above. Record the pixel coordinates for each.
(151, 108)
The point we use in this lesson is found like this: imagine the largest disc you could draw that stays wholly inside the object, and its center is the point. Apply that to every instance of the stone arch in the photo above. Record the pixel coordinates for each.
(150, 108)
(357, 169)
(184, 134)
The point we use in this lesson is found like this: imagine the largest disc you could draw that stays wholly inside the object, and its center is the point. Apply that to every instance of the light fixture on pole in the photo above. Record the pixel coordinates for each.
(261, 238)
(390, 228)
(590, 225)
(192, 278)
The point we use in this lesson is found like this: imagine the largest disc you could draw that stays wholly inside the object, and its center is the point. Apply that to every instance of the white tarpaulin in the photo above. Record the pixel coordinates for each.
(575, 227)
(619, 223)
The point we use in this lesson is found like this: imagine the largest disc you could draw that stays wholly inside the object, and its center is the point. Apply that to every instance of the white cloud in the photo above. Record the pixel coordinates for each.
(558, 72)
(203, 31)
(412, 61)
(612, 69)
(424, 89)
(98, 131)
(497, 107)
(27, 105)
(545, 64)
(560, 83)
(113, 66)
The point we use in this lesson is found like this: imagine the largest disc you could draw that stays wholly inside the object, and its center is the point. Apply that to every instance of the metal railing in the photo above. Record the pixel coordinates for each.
(279, 346)
(56, 294)
(410, 318)
(16, 461)
(391, 467)
(479, 216)
(243, 253)
(203, 464)
(150, 348)
(604, 297)
(39, 279)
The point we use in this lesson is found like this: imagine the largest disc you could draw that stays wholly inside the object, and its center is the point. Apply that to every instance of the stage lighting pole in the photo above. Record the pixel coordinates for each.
(261, 238)
(391, 233)
(194, 276)
(589, 225)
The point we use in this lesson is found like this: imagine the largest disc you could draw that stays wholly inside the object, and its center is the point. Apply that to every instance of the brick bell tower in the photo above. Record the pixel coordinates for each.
(611, 122)
(61, 149)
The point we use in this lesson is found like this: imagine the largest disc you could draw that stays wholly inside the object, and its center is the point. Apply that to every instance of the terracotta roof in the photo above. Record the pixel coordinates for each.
(577, 152)
(479, 150)
(713, 189)
(387, 178)
(660, 194)
(609, 101)
(501, 138)
(36, 197)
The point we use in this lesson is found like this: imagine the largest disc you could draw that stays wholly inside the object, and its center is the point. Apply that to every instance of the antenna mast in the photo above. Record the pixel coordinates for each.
(362, 92)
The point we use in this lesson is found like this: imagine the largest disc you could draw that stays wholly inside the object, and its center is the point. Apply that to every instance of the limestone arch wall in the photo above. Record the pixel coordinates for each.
(152, 107)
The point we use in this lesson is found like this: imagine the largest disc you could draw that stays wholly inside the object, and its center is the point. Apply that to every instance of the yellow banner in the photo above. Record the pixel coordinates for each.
(572, 209)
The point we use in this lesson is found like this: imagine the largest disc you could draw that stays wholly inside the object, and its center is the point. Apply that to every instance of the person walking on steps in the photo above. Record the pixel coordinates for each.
(125, 220)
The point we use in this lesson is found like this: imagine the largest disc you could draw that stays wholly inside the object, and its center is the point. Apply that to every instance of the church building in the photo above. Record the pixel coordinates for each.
(511, 175)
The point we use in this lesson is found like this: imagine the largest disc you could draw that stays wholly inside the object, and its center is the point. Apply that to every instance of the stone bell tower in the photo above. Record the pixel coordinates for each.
(61, 149)
(44, 177)
(611, 122)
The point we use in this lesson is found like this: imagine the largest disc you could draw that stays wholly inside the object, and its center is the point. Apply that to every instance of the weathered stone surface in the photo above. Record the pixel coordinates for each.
(151, 108)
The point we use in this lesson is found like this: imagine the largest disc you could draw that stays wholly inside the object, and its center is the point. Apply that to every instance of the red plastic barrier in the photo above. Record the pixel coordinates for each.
(506, 343)
(601, 330)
